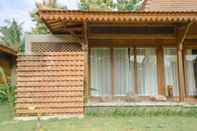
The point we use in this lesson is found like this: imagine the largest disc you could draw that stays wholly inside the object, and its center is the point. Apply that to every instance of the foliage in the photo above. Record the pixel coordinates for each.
(96, 4)
(7, 92)
(127, 5)
(40, 27)
(50, 4)
(120, 5)
(11, 35)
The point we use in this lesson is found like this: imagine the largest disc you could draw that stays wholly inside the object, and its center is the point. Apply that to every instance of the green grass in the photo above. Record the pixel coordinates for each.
(115, 120)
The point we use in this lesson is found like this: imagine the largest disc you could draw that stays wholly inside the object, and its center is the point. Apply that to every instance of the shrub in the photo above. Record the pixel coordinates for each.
(7, 94)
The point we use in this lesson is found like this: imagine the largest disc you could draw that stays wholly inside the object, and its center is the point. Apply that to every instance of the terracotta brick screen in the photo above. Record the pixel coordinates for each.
(50, 83)
(55, 47)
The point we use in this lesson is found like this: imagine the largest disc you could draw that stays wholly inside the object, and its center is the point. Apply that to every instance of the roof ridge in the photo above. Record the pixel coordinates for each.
(170, 5)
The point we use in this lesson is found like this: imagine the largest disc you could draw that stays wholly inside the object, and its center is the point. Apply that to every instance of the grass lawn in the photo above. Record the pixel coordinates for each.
(102, 123)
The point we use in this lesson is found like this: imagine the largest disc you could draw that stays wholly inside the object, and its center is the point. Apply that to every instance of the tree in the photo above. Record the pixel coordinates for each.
(40, 27)
(47, 4)
(119, 5)
(127, 5)
(96, 5)
(11, 34)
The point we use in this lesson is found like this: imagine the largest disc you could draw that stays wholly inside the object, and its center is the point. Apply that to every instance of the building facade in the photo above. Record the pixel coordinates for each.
(105, 57)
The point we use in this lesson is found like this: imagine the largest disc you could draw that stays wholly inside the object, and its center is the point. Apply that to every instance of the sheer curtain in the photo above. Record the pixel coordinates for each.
(147, 71)
(170, 60)
(124, 71)
(100, 72)
(190, 66)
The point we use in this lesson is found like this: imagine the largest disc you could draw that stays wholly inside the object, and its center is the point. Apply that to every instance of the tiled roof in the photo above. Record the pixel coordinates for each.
(7, 50)
(56, 19)
(170, 5)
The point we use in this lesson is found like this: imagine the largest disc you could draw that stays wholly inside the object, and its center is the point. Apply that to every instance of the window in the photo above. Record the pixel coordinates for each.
(191, 72)
(100, 72)
(123, 71)
(147, 71)
(171, 79)
(131, 68)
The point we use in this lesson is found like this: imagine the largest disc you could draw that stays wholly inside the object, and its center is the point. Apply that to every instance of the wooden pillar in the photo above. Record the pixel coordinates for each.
(181, 78)
(160, 71)
(181, 35)
(86, 61)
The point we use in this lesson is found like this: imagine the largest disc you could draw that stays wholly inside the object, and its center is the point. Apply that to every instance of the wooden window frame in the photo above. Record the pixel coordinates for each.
(184, 68)
(161, 87)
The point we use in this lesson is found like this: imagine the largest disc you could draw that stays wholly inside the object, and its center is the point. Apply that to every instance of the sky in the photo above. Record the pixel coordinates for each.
(20, 10)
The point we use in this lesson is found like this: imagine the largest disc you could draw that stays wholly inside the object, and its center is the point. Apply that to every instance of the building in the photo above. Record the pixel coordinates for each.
(8, 64)
(104, 57)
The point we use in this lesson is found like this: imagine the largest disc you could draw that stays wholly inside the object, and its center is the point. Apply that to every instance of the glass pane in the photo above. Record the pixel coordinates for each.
(147, 71)
(171, 79)
(124, 71)
(191, 72)
(100, 72)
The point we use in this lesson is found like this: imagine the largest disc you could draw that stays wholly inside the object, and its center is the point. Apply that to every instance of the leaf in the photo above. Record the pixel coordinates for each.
(12, 34)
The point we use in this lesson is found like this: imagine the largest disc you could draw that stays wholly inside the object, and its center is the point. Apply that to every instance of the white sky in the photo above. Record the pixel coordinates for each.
(20, 10)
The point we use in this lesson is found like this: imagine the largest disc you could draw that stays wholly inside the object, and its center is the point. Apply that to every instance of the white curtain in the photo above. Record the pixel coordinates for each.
(190, 73)
(170, 60)
(100, 72)
(147, 71)
(124, 71)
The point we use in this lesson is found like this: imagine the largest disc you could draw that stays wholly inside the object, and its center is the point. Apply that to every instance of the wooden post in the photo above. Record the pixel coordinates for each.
(86, 55)
(160, 71)
(181, 79)
(181, 35)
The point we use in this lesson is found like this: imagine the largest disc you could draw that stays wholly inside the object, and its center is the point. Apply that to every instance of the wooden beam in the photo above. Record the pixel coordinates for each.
(7, 50)
(131, 36)
(191, 36)
(86, 62)
(137, 36)
(134, 25)
(182, 33)
(74, 29)
(160, 71)
(66, 29)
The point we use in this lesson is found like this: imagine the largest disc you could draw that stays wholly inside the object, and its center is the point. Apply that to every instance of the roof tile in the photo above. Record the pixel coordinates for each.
(170, 5)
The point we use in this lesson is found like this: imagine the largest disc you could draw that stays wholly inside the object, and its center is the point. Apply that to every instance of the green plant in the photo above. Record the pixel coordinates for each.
(119, 5)
(7, 92)
(11, 34)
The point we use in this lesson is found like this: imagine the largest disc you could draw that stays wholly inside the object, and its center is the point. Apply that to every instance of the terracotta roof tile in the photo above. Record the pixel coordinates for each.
(170, 5)
(65, 16)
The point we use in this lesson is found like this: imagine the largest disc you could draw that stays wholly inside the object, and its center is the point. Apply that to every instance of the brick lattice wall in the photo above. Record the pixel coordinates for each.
(50, 82)
(55, 47)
